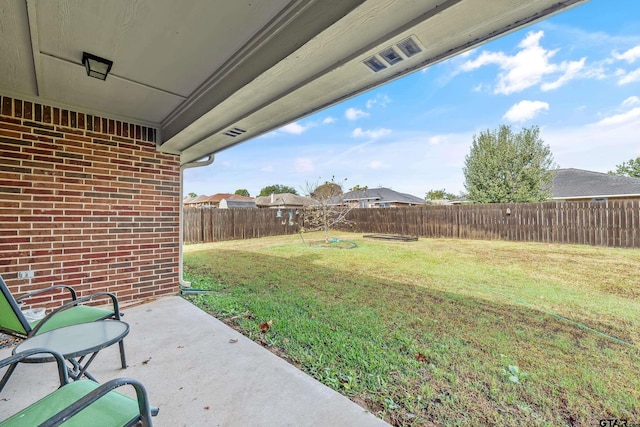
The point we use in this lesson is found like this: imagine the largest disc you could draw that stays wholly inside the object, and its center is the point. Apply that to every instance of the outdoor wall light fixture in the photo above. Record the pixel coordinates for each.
(96, 67)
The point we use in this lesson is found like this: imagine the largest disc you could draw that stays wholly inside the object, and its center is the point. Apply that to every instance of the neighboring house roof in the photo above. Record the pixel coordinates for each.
(382, 195)
(284, 200)
(440, 202)
(213, 200)
(196, 200)
(216, 198)
(578, 184)
(237, 203)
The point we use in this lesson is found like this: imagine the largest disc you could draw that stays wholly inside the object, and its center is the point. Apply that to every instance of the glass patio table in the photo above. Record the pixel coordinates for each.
(77, 343)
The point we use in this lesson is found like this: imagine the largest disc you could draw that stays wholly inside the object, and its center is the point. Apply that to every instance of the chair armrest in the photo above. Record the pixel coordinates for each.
(75, 302)
(62, 367)
(87, 400)
(49, 289)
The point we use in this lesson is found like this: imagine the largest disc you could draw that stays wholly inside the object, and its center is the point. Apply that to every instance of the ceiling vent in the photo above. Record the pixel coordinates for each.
(392, 55)
(233, 132)
(375, 64)
(409, 47)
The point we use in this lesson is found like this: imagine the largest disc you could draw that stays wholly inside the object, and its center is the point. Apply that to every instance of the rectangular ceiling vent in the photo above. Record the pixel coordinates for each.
(409, 47)
(233, 132)
(392, 55)
(375, 64)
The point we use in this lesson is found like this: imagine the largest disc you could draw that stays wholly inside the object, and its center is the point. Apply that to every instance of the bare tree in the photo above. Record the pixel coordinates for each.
(329, 209)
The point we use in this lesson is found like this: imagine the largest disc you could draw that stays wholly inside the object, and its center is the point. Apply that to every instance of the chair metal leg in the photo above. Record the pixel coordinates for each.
(7, 375)
(77, 370)
(123, 359)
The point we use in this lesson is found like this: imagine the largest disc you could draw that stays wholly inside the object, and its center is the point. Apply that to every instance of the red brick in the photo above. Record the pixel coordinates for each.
(74, 191)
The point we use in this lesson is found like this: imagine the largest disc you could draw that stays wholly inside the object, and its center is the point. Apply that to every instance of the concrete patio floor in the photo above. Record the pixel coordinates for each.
(199, 375)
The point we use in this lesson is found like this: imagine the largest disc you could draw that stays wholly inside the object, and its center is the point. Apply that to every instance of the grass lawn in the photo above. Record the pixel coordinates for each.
(441, 332)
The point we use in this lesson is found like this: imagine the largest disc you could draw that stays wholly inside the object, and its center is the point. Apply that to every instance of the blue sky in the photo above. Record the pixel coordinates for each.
(575, 75)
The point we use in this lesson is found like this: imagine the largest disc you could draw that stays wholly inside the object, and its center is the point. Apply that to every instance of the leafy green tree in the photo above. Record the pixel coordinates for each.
(503, 166)
(192, 195)
(276, 189)
(439, 195)
(242, 192)
(630, 168)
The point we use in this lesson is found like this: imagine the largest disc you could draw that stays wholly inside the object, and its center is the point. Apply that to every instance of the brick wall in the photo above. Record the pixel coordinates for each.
(86, 201)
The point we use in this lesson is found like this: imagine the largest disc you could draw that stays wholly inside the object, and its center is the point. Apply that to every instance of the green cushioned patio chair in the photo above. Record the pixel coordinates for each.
(14, 323)
(83, 402)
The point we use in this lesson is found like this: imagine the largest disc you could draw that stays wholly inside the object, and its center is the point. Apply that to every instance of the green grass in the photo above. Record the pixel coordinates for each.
(423, 333)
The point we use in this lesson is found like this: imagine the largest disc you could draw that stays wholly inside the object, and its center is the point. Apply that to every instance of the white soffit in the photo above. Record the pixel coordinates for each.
(209, 74)
(329, 68)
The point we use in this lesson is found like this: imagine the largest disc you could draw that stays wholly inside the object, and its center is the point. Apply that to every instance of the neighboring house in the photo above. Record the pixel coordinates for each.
(187, 200)
(579, 185)
(194, 202)
(380, 198)
(439, 202)
(582, 185)
(284, 200)
(213, 201)
(237, 204)
(460, 200)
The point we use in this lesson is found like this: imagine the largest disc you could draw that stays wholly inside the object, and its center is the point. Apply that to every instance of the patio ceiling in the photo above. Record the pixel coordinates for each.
(210, 74)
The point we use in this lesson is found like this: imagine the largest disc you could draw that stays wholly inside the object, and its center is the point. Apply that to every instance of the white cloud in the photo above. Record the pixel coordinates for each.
(528, 67)
(630, 55)
(571, 70)
(328, 120)
(631, 101)
(404, 161)
(598, 146)
(437, 139)
(525, 69)
(626, 78)
(480, 87)
(355, 114)
(467, 53)
(630, 116)
(525, 110)
(268, 168)
(293, 128)
(371, 134)
(377, 164)
(304, 164)
(381, 100)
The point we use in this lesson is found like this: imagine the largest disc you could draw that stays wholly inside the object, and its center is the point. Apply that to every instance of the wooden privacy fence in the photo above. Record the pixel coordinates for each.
(212, 225)
(613, 223)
